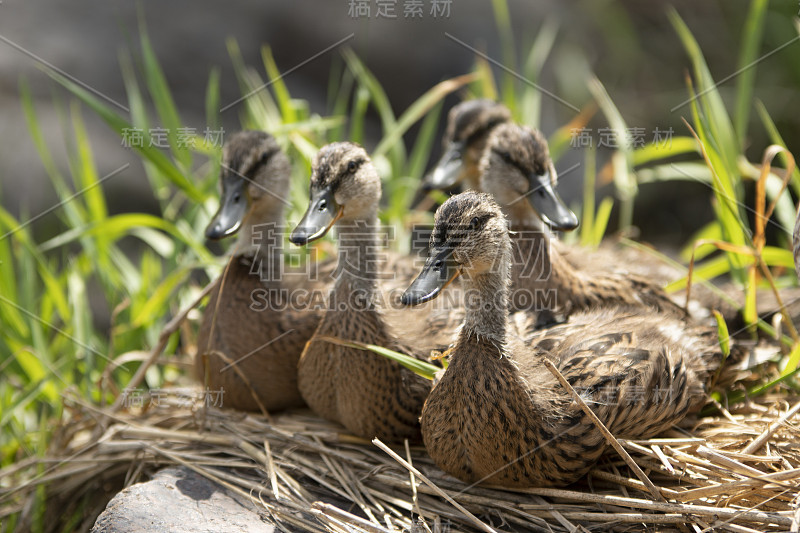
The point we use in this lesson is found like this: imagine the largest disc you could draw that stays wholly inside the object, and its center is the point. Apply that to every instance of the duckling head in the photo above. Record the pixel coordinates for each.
(468, 127)
(516, 169)
(344, 186)
(470, 238)
(254, 182)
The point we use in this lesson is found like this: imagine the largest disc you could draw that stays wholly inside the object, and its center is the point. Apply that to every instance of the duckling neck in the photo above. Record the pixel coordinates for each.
(261, 238)
(359, 262)
(487, 303)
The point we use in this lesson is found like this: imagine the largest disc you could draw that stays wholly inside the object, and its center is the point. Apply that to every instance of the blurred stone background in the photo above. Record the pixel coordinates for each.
(630, 45)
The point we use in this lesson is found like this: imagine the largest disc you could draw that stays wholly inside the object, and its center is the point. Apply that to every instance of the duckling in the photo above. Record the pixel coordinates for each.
(259, 315)
(468, 127)
(497, 415)
(368, 394)
(517, 170)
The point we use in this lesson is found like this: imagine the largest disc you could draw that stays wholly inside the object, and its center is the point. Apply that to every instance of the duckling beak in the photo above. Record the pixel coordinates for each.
(439, 271)
(232, 209)
(548, 204)
(321, 215)
(448, 170)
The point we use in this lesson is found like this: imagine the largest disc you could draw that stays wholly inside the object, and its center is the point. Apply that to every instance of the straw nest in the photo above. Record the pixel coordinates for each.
(735, 471)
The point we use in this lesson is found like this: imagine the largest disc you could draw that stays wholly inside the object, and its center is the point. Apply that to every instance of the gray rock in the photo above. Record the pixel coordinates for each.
(180, 501)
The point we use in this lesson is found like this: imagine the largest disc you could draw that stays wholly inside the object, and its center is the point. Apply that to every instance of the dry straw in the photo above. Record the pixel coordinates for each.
(738, 473)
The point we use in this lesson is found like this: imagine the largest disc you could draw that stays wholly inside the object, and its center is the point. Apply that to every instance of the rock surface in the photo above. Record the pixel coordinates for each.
(180, 501)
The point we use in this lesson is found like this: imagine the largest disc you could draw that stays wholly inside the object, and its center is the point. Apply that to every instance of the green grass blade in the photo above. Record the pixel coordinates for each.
(722, 334)
(708, 270)
(739, 396)
(530, 102)
(589, 196)
(601, 221)
(160, 297)
(162, 98)
(502, 18)
(212, 99)
(677, 146)
(421, 368)
(624, 180)
(692, 172)
(358, 114)
(793, 361)
(88, 179)
(721, 131)
(424, 143)
(396, 153)
(748, 54)
(277, 85)
(121, 126)
(417, 110)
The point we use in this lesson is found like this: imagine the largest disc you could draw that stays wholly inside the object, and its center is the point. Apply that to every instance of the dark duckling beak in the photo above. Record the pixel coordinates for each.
(548, 204)
(321, 215)
(232, 209)
(448, 170)
(439, 271)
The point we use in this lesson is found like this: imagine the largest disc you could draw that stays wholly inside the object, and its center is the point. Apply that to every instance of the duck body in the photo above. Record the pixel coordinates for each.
(260, 313)
(497, 415)
(365, 392)
(545, 282)
(261, 327)
(368, 394)
(637, 388)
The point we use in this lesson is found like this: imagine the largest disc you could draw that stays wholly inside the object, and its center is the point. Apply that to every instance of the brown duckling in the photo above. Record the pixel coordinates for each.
(468, 127)
(368, 394)
(260, 313)
(517, 170)
(497, 415)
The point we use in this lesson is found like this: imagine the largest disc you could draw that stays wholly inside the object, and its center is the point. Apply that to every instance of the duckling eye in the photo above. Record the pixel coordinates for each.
(264, 158)
(539, 169)
(506, 156)
(474, 223)
(351, 166)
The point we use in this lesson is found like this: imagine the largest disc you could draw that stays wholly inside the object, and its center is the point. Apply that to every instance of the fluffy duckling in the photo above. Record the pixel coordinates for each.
(259, 316)
(468, 127)
(497, 415)
(368, 394)
(517, 170)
